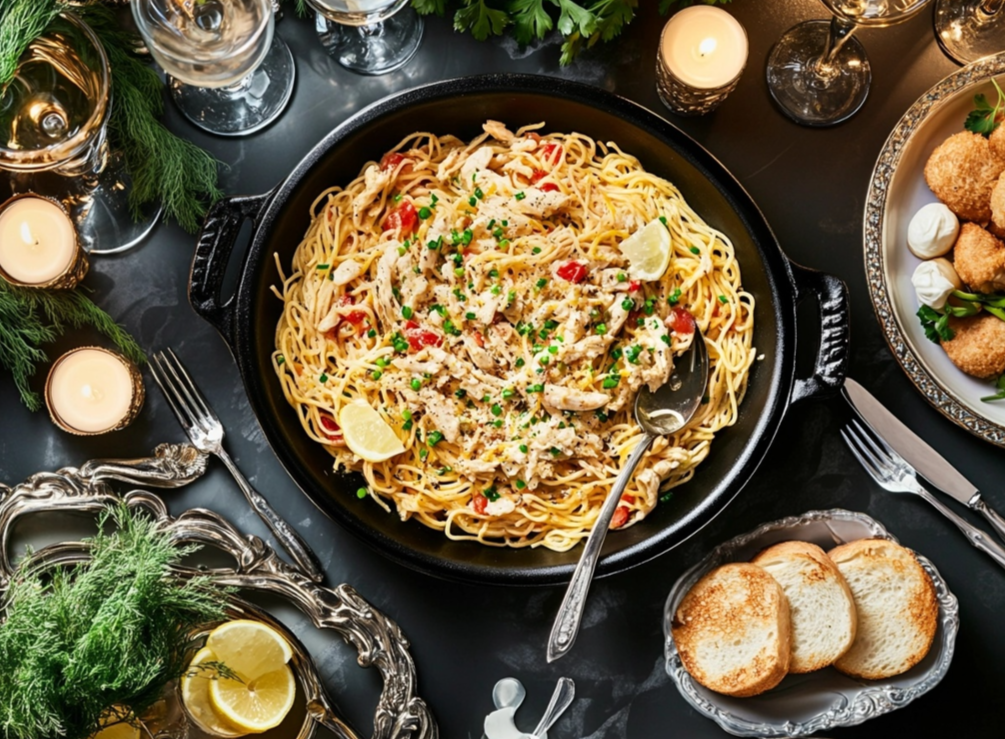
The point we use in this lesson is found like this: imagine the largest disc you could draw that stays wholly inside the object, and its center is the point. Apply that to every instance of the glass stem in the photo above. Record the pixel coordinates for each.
(841, 31)
(991, 7)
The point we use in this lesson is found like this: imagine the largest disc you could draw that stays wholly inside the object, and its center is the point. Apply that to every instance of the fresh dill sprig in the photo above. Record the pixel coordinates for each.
(111, 632)
(30, 317)
(164, 167)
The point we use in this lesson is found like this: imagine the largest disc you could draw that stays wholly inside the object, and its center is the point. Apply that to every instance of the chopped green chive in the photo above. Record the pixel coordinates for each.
(496, 289)
(538, 388)
(723, 299)
(467, 236)
(323, 266)
(460, 393)
(555, 451)
(401, 251)
(663, 220)
(372, 333)
(520, 484)
(459, 271)
(280, 360)
(479, 194)
(610, 382)
(520, 195)
(472, 201)
(470, 316)
(544, 360)
(435, 437)
(622, 277)
(423, 453)
(507, 393)
(674, 296)
(694, 250)
(406, 312)
(601, 328)
(520, 362)
(541, 283)
(397, 198)
(552, 349)
(493, 273)
(496, 410)
(406, 414)
(382, 362)
(376, 374)
(323, 378)
(627, 304)
(523, 448)
(491, 493)
(536, 250)
(425, 212)
(633, 354)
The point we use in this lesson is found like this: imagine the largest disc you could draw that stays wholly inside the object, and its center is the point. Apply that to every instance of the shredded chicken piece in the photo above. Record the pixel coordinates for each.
(346, 272)
(561, 398)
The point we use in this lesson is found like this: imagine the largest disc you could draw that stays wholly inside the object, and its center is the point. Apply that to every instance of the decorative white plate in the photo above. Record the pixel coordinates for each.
(896, 193)
(821, 700)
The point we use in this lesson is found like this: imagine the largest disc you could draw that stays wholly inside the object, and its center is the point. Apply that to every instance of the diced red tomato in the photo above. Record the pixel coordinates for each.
(539, 174)
(548, 187)
(332, 430)
(391, 160)
(621, 514)
(481, 503)
(479, 339)
(681, 321)
(403, 217)
(634, 286)
(574, 272)
(419, 337)
(552, 153)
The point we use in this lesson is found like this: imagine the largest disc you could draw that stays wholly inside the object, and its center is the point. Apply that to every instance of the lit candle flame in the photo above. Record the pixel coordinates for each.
(707, 46)
(26, 235)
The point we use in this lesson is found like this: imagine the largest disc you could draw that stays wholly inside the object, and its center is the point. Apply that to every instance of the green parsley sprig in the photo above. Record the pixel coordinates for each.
(1000, 395)
(582, 23)
(983, 119)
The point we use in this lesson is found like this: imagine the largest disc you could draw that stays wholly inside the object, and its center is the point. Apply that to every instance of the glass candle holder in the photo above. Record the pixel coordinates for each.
(701, 57)
(368, 36)
(53, 126)
(92, 391)
(38, 244)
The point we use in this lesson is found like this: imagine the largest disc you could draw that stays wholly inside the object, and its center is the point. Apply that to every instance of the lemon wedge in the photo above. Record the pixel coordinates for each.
(648, 252)
(367, 434)
(258, 705)
(120, 730)
(195, 696)
(249, 648)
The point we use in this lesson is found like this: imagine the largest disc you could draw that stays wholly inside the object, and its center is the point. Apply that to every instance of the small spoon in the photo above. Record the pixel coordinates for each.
(659, 413)
(561, 699)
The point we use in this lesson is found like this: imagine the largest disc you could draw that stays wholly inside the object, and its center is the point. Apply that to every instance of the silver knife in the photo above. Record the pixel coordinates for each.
(929, 463)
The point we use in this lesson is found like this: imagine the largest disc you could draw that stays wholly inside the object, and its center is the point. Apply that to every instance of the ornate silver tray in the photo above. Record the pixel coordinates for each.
(897, 190)
(400, 712)
(816, 701)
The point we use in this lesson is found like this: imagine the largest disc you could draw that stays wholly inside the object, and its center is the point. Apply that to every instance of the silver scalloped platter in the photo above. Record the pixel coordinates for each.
(896, 193)
(399, 714)
(825, 699)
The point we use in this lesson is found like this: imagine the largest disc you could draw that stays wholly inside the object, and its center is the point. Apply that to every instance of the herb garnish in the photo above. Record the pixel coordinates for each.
(983, 119)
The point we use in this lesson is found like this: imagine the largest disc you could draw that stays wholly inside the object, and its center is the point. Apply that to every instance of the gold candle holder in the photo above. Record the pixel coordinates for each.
(91, 391)
(39, 245)
(701, 57)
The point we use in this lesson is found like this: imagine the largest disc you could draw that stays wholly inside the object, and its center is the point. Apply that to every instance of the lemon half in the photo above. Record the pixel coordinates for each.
(258, 705)
(367, 434)
(195, 696)
(120, 730)
(648, 252)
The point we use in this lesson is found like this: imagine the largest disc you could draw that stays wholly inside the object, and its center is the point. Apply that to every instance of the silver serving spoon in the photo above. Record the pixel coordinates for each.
(659, 413)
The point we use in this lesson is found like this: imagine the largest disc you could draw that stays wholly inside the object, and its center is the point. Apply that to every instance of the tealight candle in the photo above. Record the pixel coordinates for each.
(702, 53)
(38, 244)
(92, 390)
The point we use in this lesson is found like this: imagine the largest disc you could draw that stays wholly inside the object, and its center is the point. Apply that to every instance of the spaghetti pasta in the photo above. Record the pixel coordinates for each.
(474, 295)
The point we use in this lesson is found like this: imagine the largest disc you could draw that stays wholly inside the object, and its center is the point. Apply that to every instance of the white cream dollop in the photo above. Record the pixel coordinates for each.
(933, 231)
(933, 282)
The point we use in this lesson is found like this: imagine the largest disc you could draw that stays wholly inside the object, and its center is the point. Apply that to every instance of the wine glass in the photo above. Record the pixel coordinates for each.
(229, 73)
(970, 29)
(818, 73)
(368, 36)
(53, 136)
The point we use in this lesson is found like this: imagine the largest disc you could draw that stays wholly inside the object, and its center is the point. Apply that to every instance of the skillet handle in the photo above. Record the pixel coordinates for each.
(212, 254)
(834, 354)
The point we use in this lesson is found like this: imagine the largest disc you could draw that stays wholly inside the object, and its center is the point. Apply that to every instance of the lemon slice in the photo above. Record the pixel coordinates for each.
(367, 434)
(648, 252)
(249, 648)
(258, 705)
(120, 730)
(195, 696)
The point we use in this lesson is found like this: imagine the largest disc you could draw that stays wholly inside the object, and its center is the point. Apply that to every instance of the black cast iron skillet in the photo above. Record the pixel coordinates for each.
(248, 319)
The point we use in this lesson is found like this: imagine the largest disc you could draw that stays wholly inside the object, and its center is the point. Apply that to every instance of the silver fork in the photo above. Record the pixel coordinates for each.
(206, 432)
(893, 473)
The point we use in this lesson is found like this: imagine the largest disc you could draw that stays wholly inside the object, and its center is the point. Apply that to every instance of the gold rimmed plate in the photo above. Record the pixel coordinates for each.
(897, 191)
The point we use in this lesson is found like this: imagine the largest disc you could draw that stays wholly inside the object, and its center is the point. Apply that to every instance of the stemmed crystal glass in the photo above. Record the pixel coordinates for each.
(229, 73)
(970, 29)
(53, 136)
(818, 73)
(368, 36)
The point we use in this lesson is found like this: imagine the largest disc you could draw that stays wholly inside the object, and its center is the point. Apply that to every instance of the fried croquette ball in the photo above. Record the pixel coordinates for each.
(961, 172)
(997, 225)
(997, 141)
(979, 259)
(978, 345)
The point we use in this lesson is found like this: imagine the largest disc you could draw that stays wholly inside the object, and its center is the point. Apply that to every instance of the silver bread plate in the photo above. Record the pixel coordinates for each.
(400, 713)
(817, 701)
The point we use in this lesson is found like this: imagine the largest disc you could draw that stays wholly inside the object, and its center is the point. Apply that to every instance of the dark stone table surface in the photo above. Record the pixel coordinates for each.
(811, 184)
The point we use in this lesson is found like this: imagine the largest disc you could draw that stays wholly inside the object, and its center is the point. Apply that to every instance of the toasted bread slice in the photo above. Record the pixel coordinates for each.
(820, 603)
(897, 609)
(732, 630)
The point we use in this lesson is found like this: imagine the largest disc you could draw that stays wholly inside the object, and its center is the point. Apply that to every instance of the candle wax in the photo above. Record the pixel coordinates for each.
(37, 240)
(90, 390)
(704, 47)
